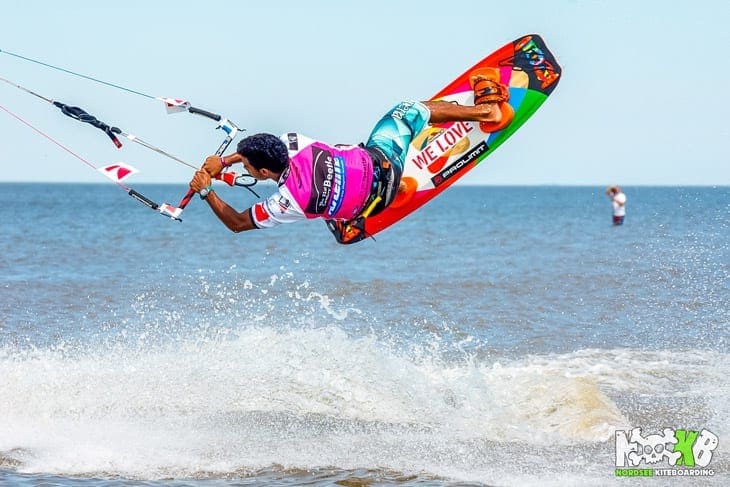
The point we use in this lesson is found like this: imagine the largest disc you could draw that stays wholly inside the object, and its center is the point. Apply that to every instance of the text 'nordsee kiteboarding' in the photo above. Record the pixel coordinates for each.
(673, 453)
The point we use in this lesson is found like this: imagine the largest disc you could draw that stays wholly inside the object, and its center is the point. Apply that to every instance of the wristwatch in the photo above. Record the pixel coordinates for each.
(204, 192)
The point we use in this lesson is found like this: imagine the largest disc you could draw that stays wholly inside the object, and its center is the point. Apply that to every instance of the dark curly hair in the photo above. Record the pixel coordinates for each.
(265, 151)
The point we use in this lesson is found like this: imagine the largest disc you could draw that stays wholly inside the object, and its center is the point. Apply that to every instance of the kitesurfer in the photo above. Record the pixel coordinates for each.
(341, 183)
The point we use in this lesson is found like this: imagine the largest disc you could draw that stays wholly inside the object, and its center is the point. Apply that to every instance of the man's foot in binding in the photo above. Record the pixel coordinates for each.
(493, 96)
(348, 231)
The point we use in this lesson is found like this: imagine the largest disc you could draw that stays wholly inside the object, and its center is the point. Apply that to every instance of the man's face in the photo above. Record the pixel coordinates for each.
(252, 170)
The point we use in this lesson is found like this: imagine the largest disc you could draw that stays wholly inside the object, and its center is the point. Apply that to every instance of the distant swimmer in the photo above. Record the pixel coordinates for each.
(618, 201)
(341, 183)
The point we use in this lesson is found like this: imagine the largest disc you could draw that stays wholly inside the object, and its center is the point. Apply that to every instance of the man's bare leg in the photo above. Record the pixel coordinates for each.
(444, 111)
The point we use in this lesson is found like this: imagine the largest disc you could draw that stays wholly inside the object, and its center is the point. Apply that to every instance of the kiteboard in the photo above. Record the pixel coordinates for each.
(442, 154)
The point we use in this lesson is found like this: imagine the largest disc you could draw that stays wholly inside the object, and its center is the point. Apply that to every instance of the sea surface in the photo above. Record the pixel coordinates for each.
(498, 336)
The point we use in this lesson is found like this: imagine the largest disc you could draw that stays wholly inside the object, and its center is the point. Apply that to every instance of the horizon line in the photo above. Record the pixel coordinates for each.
(655, 185)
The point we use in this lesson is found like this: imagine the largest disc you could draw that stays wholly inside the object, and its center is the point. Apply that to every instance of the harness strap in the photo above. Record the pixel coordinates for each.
(386, 177)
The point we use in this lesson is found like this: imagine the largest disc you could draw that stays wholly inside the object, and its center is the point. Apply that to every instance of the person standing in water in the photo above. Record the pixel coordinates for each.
(618, 201)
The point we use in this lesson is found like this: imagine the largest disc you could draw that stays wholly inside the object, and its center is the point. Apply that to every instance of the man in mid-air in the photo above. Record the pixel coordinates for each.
(341, 183)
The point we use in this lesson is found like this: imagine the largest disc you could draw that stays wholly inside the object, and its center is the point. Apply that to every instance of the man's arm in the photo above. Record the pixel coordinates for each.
(213, 165)
(235, 221)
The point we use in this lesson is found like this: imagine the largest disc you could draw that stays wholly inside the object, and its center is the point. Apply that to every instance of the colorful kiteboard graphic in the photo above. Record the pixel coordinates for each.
(442, 154)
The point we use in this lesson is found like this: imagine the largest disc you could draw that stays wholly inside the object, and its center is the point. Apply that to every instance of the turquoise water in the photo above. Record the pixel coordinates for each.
(498, 336)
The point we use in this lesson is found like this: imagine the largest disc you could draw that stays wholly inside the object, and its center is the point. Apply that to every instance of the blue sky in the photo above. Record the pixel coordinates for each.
(641, 100)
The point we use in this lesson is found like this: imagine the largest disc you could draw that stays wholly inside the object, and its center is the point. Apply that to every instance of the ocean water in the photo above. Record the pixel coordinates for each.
(499, 336)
